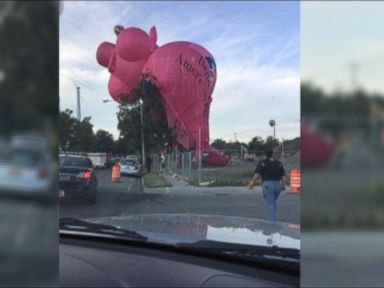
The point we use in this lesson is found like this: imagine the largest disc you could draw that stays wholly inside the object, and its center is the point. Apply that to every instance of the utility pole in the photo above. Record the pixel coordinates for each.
(241, 159)
(282, 152)
(354, 70)
(78, 104)
(235, 137)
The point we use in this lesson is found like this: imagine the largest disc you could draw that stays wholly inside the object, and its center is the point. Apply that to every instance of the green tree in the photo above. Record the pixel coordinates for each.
(67, 127)
(223, 145)
(271, 143)
(219, 144)
(337, 111)
(120, 147)
(256, 144)
(156, 130)
(104, 141)
(84, 137)
(75, 135)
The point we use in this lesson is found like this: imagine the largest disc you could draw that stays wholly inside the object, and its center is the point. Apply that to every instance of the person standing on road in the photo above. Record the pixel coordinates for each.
(272, 174)
(148, 163)
(162, 163)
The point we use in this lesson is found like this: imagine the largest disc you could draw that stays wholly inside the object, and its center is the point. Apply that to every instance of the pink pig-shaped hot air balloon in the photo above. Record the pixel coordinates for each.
(125, 59)
(184, 73)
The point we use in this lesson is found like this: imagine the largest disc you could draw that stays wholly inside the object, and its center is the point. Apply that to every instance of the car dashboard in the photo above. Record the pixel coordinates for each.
(87, 263)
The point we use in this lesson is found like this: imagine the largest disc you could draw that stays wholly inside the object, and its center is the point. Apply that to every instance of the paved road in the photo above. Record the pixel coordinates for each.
(340, 193)
(342, 259)
(28, 237)
(129, 197)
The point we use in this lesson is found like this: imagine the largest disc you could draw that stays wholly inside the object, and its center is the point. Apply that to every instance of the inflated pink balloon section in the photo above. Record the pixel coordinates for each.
(184, 73)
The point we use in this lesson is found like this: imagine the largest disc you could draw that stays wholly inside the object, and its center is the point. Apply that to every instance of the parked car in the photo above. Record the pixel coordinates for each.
(26, 169)
(77, 178)
(132, 157)
(129, 167)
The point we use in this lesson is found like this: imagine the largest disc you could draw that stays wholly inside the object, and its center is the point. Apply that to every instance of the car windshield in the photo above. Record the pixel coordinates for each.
(128, 162)
(24, 157)
(199, 141)
(74, 161)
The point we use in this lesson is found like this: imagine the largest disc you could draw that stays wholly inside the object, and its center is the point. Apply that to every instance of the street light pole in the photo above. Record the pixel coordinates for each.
(274, 132)
(142, 133)
(282, 157)
(272, 123)
(78, 103)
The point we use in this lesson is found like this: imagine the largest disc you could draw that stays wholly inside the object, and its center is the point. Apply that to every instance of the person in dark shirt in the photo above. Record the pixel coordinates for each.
(148, 163)
(272, 174)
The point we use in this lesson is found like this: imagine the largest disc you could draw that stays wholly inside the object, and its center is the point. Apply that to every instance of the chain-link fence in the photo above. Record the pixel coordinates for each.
(352, 175)
(238, 172)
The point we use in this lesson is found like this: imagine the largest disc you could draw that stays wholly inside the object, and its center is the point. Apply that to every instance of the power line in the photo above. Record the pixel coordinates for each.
(85, 85)
(81, 100)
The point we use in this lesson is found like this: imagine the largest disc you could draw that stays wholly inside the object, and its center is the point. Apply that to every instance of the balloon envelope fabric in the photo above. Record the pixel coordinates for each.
(184, 73)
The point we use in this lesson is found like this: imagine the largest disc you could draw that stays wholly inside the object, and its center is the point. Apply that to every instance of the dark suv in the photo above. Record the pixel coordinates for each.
(77, 178)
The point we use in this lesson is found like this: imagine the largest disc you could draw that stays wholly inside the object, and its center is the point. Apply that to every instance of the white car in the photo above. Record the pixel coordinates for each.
(132, 157)
(26, 168)
(129, 167)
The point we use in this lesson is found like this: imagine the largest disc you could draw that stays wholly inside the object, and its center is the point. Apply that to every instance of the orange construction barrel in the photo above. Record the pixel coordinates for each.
(115, 173)
(295, 181)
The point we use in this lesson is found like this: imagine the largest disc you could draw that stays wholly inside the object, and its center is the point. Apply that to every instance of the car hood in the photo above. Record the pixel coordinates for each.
(176, 228)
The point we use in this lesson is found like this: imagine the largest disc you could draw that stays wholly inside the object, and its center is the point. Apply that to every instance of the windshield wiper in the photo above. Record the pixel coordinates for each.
(74, 225)
(289, 256)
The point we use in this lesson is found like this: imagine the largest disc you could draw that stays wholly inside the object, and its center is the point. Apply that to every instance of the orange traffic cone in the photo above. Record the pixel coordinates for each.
(115, 173)
(295, 181)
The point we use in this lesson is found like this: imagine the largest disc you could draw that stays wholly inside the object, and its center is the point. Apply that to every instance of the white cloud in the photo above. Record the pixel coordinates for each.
(257, 87)
(72, 54)
(351, 33)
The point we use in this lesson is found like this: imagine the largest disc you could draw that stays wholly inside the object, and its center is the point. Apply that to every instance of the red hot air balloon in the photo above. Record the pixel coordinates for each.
(184, 73)
(316, 150)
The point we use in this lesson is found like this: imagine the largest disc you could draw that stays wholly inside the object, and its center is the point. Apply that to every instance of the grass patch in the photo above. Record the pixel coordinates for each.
(152, 180)
(338, 220)
(230, 182)
(221, 182)
(226, 176)
(360, 208)
(374, 193)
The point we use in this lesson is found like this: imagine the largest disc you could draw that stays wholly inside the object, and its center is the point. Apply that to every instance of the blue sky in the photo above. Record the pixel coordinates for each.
(334, 34)
(256, 46)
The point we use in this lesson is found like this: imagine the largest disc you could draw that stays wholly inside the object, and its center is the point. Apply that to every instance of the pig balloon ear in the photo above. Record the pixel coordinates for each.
(153, 34)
